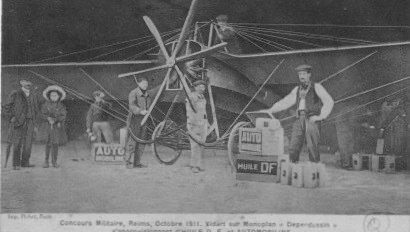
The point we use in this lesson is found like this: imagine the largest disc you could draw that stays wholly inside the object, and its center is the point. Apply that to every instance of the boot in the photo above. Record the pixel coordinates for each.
(47, 156)
(45, 165)
(54, 156)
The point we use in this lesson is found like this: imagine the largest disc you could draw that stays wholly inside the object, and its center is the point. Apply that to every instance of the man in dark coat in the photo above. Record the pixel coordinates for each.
(139, 101)
(22, 109)
(97, 120)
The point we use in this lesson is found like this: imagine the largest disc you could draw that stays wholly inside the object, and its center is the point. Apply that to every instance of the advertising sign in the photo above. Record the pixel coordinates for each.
(107, 153)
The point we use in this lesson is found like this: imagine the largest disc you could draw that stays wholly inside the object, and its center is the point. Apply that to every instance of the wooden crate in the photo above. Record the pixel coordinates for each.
(383, 163)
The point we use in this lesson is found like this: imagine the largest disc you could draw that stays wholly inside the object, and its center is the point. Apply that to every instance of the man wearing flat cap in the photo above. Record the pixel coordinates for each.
(139, 102)
(98, 116)
(313, 104)
(197, 124)
(22, 110)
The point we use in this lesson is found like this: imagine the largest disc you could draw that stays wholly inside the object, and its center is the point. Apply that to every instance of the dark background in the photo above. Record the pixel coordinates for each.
(37, 29)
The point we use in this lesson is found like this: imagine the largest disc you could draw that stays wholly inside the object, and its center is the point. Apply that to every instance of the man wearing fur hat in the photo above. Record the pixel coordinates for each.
(97, 120)
(197, 124)
(313, 104)
(54, 112)
(22, 110)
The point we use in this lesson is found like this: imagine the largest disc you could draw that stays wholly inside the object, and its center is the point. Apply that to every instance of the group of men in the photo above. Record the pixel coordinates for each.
(140, 99)
(312, 104)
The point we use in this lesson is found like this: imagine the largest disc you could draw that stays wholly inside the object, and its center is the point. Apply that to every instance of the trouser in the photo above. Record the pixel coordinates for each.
(199, 131)
(134, 148)
(346, 141)
(103, 128)
(53, 148)
(22, 144)
(304, 130)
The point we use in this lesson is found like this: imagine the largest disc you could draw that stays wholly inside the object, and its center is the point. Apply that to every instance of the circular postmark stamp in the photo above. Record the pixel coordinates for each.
(376, 223)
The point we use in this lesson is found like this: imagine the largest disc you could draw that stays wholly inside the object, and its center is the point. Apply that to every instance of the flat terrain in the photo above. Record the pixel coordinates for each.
(81, 186)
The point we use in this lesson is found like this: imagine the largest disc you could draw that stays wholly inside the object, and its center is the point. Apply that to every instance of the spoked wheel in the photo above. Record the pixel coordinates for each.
(233, 143)
(169, 142)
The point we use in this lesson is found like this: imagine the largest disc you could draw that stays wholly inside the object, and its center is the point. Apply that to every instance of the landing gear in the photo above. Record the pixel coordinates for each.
(169, 141)
(233, 143)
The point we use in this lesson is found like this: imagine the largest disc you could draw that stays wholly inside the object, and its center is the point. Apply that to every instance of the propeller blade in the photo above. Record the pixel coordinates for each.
(143, 71)
(158, 38)
(186, 87)
(185, 28)
(161, 88)
(200, 54)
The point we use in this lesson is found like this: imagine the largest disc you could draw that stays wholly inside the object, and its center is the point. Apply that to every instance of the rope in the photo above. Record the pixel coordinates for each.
(130, 46)
(95, 48)
(283, 38)
(306, 35)
(278, 46)
(309, 35)
(347, 67)
(167, 41)
(376, 88)
(358, 107)
(328, 25)
(149, 49)
(261, 48)
(105, 90)
(75, 93)
(254, 96)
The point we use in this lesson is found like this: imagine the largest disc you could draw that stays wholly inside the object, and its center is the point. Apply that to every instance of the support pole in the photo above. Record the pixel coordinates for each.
(211, 97)
(211, 34)
(196, 32)
(214, 119)
(407, 109)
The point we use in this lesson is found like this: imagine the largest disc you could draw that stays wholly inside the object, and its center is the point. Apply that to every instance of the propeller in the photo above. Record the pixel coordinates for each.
(153, 29)
(185, 28)
(172, 60)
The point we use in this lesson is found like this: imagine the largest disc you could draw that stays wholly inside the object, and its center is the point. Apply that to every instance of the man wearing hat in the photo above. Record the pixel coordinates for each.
(226, 33)
(197, 124)
(97, 120)
(139, 101)
(22, 109)
(313, 104)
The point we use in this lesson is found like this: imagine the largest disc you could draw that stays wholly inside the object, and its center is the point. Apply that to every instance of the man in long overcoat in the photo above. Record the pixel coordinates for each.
(22, 110)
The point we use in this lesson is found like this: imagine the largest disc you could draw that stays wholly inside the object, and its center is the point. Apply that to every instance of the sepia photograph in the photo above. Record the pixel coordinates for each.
(205, 107)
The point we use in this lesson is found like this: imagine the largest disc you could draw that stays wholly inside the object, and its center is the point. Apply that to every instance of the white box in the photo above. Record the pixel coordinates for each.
(297, 175)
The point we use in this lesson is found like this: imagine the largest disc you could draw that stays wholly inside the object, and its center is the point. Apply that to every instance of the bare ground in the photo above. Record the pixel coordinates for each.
(81, 186)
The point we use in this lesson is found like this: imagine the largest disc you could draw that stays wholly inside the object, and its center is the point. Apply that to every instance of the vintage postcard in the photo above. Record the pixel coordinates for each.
(205, 116)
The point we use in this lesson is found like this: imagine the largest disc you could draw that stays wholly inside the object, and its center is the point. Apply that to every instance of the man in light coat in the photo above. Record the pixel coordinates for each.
(197, 124)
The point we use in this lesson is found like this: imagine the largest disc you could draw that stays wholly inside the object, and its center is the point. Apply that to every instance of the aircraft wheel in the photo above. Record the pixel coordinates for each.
(233, 143)
(167, 146)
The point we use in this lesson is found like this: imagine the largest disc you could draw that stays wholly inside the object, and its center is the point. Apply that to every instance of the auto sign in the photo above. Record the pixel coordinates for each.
(250, 140)
(110, 153)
